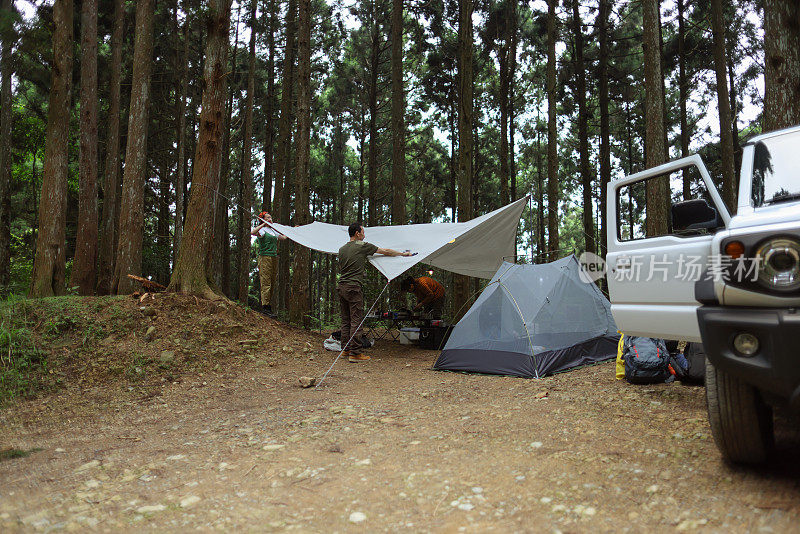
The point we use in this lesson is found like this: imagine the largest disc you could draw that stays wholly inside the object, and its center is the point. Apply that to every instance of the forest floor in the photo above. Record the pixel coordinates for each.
(199, 423)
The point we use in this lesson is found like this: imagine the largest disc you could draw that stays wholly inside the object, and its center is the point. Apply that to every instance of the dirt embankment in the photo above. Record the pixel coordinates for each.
(187, 415)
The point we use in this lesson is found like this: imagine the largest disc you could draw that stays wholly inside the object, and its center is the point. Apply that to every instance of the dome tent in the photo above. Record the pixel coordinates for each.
(532, 321)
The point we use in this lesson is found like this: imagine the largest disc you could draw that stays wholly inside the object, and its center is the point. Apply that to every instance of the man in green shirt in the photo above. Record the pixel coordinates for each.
(352, 261)
(267, 243)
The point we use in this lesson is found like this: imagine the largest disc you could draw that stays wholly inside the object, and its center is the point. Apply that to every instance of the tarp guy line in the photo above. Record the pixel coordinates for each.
(351, 336)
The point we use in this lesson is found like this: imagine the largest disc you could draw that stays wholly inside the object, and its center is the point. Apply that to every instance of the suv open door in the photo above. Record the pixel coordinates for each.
(651, 275)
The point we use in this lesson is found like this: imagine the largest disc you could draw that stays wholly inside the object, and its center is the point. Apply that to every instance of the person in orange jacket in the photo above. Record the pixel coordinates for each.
(429, 293)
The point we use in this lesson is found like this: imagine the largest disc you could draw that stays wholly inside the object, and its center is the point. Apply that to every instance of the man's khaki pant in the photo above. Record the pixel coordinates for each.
(351, 301)
(267, 265)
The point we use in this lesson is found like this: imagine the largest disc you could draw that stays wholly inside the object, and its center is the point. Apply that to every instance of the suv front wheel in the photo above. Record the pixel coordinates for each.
(741, 422)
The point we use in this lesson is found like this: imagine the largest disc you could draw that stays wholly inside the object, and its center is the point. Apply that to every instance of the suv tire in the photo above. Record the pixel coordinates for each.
(741, 422)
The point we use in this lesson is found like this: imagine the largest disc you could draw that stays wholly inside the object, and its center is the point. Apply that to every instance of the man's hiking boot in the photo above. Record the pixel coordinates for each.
(355, 357)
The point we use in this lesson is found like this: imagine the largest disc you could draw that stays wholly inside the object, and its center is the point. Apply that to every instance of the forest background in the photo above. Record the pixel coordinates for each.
(141, 137)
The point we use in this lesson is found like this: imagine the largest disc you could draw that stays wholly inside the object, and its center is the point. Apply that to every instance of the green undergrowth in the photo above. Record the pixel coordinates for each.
(38, 335)
(110, 344)
(22, 362)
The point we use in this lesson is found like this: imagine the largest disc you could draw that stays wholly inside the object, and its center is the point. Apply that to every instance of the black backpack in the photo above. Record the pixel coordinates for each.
(646, 360)
(696, 356)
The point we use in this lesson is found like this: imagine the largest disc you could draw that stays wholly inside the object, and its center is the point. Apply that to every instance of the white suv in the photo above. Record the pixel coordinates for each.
(732, 282)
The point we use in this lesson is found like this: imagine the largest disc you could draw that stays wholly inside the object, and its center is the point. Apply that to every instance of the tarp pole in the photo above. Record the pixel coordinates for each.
(352, 336)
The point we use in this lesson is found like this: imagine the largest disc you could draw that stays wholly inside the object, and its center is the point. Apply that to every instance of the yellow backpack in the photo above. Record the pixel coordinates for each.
(620, 363)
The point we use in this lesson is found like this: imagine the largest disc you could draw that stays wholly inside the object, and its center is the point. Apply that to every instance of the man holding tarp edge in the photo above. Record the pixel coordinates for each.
(352, 261)
(267, 242)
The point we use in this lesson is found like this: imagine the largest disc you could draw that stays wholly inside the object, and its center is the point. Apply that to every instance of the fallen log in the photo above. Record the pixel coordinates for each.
(149, 285)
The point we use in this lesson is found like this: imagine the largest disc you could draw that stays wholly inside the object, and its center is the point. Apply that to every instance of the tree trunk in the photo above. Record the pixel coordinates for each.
(285, 257)
(111, 174)
(372, 162)
(338, 216)
(191, 274)
(663, 82)
(583, 132)
(49, 263)
(398, 133)
(220, 247)
(223, 256)
(220, 250)
(502, 56)
(737, 147)
(7, 11)
(605, 124)
(461, 283)
(246, 197)
(658, 188)
(180, 172)
(552, 135)
(723, 100)
(84, 273)
(451, 117)
(298, 309)
(512, 62)
(361, 144)
(283, 165)
(131, 220)
(34, 187)
(475, 153)
(542, 244)
(781, 64)
(162, 225)
(398, 121)
(682, 98)
(628, 140)
(269, 139)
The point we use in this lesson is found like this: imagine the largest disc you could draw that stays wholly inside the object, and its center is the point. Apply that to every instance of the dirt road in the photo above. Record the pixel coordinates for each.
(386, 445)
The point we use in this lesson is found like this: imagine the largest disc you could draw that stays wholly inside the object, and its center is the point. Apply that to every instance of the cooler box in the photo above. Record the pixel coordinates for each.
(434, 337)
(409, 336)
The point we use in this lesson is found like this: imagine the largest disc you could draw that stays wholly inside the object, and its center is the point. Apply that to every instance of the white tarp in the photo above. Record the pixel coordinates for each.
(475, 248)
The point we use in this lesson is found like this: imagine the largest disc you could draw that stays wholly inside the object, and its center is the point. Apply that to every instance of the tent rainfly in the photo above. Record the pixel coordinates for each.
(532, 321)
(475, 248)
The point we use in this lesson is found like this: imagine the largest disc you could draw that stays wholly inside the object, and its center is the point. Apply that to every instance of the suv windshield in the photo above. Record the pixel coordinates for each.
(775, 175)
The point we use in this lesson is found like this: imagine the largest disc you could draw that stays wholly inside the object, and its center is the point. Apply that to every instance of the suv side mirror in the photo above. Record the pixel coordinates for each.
(694, 215)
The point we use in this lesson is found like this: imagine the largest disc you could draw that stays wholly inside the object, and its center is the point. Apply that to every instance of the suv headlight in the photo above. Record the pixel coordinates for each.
(779, 264)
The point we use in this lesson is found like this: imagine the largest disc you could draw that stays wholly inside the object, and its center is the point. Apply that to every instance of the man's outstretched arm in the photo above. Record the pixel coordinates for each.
(392, 252)
(258, 228)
